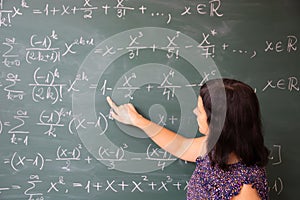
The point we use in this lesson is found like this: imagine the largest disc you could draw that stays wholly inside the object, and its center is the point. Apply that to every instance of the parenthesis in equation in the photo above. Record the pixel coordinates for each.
(57, 93)
(50, 42)
(33, 94)
(281, 186)
(52, 77)
(105, 121)
(42, 160)
(34, 41)
(57, 153)
(27, 57)
(74, 153)
(99, 152)
(35, 76)
(1, 126)
(148, 151)
(120, 153)
(169, 18)
(12, 162)
(70, 125)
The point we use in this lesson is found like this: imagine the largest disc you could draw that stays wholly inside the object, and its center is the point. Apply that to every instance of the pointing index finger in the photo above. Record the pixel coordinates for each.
(111, 103)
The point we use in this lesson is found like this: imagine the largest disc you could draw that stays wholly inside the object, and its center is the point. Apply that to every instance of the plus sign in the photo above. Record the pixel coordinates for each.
(177, 185)
(152, 185)
(123, 185)
(225, 46)
(106, 7)
(172, 119)
(149, 87)
(142, 9)
(74, 9)
(153, 47)
(54, 11)
(97, 186)
(88, 159)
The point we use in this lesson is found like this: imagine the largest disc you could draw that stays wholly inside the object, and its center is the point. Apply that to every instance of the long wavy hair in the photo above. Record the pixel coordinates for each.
(241, 132)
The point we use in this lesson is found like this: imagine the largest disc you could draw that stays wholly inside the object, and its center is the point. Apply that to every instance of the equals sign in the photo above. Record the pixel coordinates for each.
(4, 189)
(93, 86)
(136, 158)
(77, 185)
(6, 161)
(15, 187)
(37, 12)
(6, 123)
(98, 51)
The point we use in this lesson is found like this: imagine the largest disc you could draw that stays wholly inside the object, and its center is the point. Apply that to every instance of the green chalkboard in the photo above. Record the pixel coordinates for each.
(61, 58)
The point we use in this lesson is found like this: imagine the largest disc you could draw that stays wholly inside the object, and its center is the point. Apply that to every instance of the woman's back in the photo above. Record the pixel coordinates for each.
(208, 182)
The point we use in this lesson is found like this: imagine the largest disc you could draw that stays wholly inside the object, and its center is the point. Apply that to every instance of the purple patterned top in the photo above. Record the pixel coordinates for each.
(213, 183)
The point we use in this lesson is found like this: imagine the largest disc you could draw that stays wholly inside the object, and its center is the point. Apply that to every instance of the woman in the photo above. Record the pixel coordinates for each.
(230, 157)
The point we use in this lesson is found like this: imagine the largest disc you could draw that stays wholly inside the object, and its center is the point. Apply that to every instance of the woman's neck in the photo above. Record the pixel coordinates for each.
(233, 158)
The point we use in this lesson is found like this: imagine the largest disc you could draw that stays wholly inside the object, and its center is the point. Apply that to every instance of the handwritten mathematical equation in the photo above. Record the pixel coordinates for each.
(42, 49)
(62, 185)
(52, 120)
(18, 160)
(120, 8)
(36, 51)
(167, 85)
(288, 45)
(18, 127)
(47, 86)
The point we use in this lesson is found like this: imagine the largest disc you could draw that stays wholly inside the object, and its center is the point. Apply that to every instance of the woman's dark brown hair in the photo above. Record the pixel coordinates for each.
(241, 132)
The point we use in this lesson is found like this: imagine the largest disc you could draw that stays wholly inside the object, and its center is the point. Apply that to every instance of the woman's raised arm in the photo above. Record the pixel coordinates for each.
(184, 148)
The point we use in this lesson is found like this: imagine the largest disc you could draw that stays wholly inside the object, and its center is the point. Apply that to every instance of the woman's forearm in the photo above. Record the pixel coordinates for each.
(168, 140)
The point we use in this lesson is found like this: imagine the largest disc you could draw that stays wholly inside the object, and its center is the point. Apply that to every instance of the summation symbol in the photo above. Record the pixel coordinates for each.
(32, 193)
(19, 134)
(11, 57)
(13, 93)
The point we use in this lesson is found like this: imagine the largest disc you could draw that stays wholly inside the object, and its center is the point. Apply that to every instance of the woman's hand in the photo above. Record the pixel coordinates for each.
(125, 113)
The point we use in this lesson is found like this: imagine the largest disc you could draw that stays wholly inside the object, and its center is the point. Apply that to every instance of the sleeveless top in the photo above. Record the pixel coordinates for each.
(213, 183)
